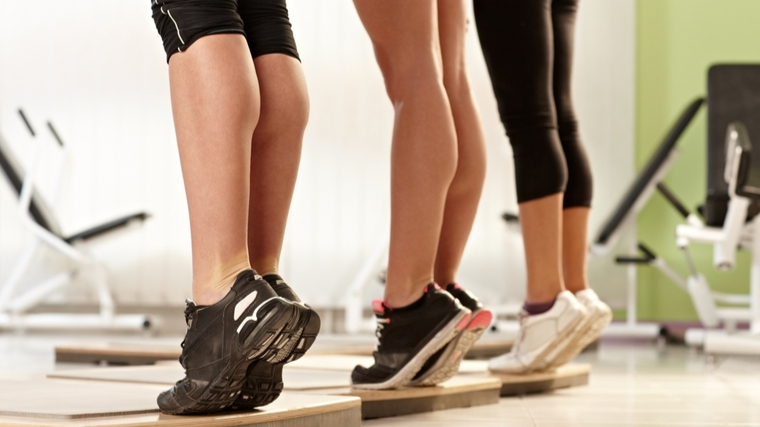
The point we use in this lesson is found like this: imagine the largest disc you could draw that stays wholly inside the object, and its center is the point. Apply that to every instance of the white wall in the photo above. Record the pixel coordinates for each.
(99, 73)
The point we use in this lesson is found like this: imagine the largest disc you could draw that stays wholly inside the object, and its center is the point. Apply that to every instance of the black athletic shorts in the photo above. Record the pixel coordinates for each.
(264, 23)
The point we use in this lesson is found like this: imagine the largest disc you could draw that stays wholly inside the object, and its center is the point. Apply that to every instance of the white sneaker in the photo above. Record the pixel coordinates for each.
(542, 337)
(600, 315)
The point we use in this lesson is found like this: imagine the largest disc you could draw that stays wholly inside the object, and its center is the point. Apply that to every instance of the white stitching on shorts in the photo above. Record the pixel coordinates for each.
(169, 13)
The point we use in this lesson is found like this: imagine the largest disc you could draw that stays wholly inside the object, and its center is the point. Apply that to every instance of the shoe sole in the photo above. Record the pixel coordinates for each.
(448, 364)
(539, 361)
(408, 371)
(263, 383)
(259, 341)
(583, 336)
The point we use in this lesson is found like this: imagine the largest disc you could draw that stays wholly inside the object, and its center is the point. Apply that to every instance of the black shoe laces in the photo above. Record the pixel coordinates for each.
(190, 310)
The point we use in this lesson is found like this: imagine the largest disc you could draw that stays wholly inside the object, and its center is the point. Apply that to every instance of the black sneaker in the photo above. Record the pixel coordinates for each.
(408, 336)
(251, 322)
(263, 383)
(444, 364)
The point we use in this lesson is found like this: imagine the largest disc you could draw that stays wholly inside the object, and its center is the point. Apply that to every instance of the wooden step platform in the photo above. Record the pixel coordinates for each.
(332, 371)
(167, 374)
(459, 392)
(151, 351)
(117, 353)
(571, 375)
(566, 376)
(54, 402)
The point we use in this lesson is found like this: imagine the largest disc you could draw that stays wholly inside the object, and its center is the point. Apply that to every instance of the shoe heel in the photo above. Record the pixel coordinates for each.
(300, 337)
(311, 327)
(263, 386)
(463, 322)
(481, 319)
(257, 338)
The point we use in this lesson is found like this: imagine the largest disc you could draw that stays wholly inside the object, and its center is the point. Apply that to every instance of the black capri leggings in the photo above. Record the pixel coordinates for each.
(528, 48)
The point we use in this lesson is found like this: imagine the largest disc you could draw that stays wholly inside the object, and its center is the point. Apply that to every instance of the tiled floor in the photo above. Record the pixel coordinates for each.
(637, 384)
(632, 384)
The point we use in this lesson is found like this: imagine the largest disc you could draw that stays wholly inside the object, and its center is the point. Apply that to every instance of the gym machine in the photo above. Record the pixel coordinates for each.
(38, 219)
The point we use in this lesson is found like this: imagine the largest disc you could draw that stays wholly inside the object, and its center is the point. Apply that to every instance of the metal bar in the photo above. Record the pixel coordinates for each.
(26, 122)
(670, 197)
(55, 133)
(631, 306)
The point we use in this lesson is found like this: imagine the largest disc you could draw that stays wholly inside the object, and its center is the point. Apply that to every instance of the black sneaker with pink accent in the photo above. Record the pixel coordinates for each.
(408, 336)
(444, 364)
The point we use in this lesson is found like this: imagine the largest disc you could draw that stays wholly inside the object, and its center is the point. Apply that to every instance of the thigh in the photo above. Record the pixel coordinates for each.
(182, 22)
(404, 33)
(563, 23)
(517, 42)
(452, 27)
(267, 27)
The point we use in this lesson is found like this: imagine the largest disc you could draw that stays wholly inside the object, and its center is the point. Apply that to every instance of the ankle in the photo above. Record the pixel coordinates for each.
(400, 300)
(538, 308)
(209, 296)
(543, 292)
(211, 287)
(576, 287)
(265, 266)
(445, 278)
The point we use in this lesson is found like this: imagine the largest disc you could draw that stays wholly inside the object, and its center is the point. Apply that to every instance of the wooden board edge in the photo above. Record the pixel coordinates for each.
(545, 385)
(349, 404)
(408, 406)
(117, 351)
(561, 372)
(481, 384)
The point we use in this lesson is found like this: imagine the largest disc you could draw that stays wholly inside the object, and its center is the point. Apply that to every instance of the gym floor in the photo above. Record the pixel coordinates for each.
(638, 383)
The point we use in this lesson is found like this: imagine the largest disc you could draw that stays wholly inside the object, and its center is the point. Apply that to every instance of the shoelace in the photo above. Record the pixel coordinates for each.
(521, 317)
(190, 310)
(381, 322)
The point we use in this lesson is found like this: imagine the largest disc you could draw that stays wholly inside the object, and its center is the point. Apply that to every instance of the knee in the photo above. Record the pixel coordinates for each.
(286, 112)
(540, 165)
(455, 77)
(579, 191)
(525, 111)
(405, 72)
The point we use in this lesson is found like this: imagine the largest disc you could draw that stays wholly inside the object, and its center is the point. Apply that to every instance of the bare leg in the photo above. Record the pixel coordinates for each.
(541, 221)
(423, 160)
(215, 101)
(464, 192)
(275, 155)
(574, 248)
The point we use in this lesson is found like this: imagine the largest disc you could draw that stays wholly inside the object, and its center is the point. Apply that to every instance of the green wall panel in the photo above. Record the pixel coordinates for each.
(677, 41)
